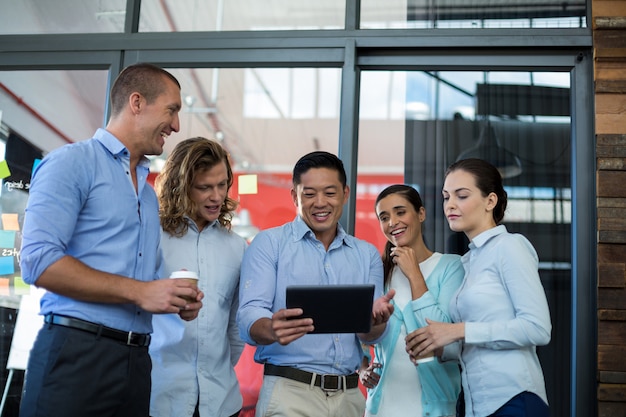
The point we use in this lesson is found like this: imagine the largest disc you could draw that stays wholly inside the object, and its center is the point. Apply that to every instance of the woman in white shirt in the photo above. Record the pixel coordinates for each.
(500, 312)
(424, 282)
(193, 362)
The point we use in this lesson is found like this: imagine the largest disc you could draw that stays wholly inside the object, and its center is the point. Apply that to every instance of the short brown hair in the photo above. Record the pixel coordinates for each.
(144, 78)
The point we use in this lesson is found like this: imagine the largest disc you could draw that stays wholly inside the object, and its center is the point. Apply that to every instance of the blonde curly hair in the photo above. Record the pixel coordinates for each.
(173, 184)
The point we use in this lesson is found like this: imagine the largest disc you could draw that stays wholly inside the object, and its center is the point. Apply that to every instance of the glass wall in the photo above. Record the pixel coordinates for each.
(98, 16)
(520, 122)
(67, 16)
(266, 118)
(230, 15)
(472, 14)
(39, 111)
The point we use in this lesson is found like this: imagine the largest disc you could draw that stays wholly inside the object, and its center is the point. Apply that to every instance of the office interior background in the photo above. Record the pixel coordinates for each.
(398, 89)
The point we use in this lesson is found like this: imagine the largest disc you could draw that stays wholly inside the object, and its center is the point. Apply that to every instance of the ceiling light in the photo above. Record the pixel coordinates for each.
(189, 100)
(489, 149)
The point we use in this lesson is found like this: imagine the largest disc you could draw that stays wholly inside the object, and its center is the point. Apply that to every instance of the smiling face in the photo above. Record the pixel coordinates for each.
(465, 206)
(399, 221)
(208, 192)
(320, 198)
(157, 120)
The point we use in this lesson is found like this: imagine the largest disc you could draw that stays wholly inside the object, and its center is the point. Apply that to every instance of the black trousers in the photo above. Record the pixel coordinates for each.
(72, 373)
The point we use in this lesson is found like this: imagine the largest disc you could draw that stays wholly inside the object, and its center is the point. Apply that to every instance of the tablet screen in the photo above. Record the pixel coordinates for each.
(334, 308)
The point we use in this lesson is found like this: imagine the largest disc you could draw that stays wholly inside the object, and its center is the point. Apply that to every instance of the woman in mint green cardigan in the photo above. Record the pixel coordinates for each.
(424, 282)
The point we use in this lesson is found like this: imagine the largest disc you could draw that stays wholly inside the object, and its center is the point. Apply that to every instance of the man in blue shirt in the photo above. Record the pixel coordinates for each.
(308, 374)
(193, 362)
(91, 239)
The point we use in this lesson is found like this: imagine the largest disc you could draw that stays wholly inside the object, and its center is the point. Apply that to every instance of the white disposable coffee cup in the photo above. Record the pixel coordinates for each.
(189, 276)
(183, 273)
(427, 358)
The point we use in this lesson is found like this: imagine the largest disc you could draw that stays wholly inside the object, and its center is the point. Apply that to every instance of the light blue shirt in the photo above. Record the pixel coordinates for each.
(505, 311)
(440, 382)
(83, 204)
(197, 358)
(291, 255)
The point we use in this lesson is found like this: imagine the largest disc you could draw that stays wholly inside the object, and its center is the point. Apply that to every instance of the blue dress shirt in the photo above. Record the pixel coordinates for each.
(83, 204)
(195, 359)
(506, 315)
(291, 255)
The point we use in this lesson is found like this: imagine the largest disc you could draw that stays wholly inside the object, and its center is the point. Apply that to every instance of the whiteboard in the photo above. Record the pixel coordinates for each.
(27, 326)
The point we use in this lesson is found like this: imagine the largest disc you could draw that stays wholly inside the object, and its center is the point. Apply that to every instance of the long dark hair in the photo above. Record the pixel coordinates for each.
(488, 180)
(411, 195)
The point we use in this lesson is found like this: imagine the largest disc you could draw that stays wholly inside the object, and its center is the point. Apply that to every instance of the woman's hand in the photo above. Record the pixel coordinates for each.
(432, 338)
(406, 259)
(368, 377)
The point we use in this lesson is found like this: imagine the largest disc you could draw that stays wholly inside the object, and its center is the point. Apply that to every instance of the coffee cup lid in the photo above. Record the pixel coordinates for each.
(184, 274)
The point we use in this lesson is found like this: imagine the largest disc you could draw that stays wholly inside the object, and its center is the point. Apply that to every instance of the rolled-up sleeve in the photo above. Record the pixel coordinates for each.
(55, 199)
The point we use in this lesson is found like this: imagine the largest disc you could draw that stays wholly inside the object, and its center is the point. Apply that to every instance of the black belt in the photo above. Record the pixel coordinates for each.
(128, 338)
(327, 382)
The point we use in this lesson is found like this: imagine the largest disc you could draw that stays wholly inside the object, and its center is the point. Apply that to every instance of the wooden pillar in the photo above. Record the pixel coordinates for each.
(609, 38)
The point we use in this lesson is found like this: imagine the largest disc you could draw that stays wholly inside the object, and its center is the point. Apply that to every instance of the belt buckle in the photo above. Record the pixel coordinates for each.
(129, 340)
(339, 379)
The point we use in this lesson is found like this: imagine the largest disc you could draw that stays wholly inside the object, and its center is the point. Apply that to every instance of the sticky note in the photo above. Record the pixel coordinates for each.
(20, 287)
(4, 169)
(4, 286)
(10, 221)
(7, 265)
(248, 184)
(35, 164)
(7, 239)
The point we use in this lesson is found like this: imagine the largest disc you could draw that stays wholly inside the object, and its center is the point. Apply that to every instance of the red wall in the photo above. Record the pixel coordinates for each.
(273, 206)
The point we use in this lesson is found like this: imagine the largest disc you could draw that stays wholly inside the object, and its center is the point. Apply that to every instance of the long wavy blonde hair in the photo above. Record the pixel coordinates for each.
(174, 182)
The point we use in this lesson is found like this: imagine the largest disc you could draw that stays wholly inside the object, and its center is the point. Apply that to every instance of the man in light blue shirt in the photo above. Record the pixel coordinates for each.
(308, 374)
(193, 362)
(91, 239)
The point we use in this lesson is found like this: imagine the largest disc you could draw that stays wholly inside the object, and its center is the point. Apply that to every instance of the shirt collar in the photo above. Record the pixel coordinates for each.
(116, 147)
(192, 224)
(485, 236)
(302, 230)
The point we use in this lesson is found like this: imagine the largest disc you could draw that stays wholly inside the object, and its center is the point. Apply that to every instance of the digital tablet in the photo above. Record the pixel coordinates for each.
(334, 308)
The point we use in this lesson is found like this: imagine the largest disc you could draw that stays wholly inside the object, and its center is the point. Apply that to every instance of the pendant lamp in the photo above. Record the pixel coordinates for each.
(489, 149)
